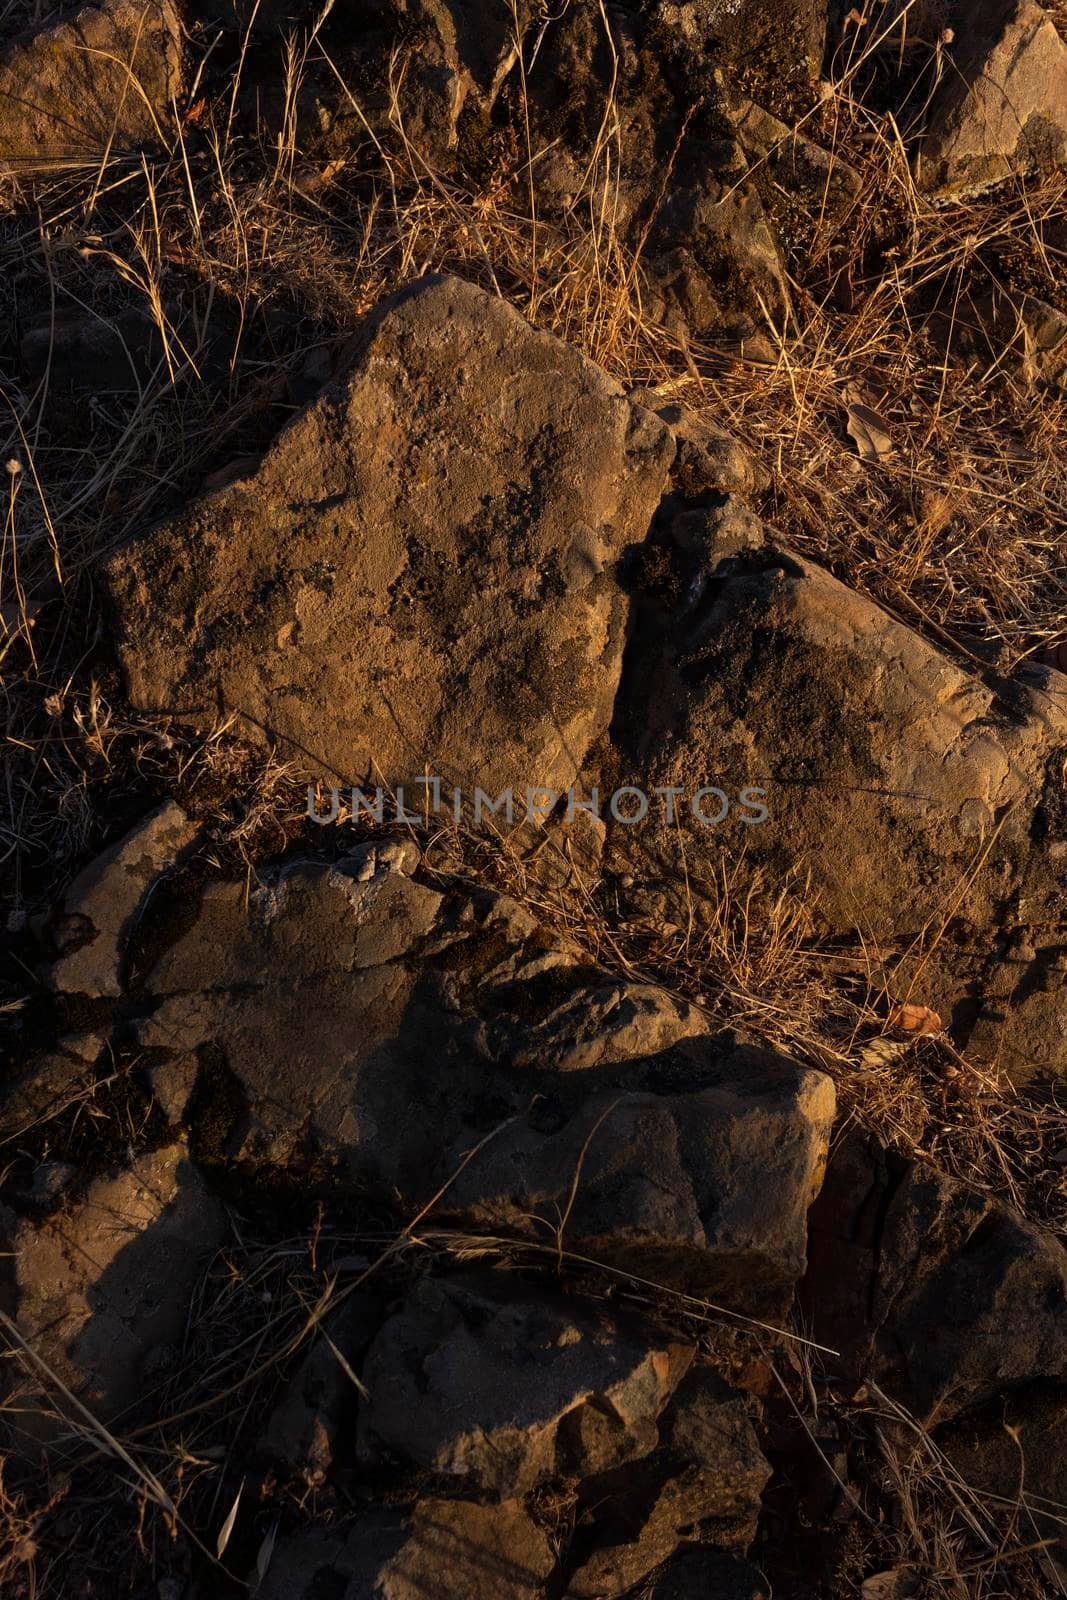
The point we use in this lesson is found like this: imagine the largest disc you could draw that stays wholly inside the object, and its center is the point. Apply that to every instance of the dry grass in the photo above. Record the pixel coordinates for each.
(252, 263)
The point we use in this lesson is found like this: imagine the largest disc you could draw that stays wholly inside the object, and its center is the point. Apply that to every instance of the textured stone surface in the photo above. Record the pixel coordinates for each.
(419, 576)
(451, 1549)
(950, 1297)
(920, 798)
(92, 85)
(502, 1390)
(101, 908)
(1003, 104)
(106, 1283)
(694, 1169)
(707, 1483)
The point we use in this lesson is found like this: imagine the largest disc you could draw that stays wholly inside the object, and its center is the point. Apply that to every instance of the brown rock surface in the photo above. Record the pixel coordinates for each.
(90, 86)
(920, 797)
(1003, 104)
(501, 1390)
(101, 908)
(419, 576)
(106, 1283)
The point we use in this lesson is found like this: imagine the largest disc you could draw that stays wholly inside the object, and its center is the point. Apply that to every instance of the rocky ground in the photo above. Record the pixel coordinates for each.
(654, 1185)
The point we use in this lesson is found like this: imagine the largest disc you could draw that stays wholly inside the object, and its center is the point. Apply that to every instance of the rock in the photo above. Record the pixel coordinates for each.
(50, 1084)
(699, 1574)
(920, 799)
(950, 1298)
(1002, 106)
(315, 1416)
(580, 1025)
(1024, 333)
(366, 1044)
(302, 1431)
(453, 1549)
(708, 459)
(772, 52)
(458, 53)
(705, 1484)
(172, 1083)
(104, 1285)
(665, 1154)
(808, 193)
(503, 1390)
(387, 1029)
(101, 909)
(418, 579)
(302, 990)
(67, 92)
(713, 255)
(1014, 1444)
(83, 352)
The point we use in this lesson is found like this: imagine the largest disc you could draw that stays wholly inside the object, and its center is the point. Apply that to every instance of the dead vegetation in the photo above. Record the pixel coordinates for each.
(245, 266)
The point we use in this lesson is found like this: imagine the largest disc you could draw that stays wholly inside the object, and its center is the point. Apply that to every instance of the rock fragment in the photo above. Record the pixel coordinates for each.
(105, 1284)
(102, 906)
(99, 83)
(504, 1391)
(1002, 107)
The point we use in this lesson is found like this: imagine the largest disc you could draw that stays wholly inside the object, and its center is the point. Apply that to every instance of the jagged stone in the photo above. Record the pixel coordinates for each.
(706, 1483)
(502, 1390)
(655, 1172)
(104, 1285)
(435, 545)
(945, 1294)
(1002, 106)
(918, 798)
(101, 908)
(93, 85)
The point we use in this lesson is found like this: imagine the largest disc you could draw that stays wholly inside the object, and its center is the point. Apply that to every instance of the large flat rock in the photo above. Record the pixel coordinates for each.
(419, 577)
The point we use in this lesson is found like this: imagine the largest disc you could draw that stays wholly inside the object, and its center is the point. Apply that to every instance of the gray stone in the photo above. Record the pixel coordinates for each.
(1002, 106)
(946, 1295)
(695, 1170)
(919, 799)
(435, 539)
(94, 85)
(711, 1477)
(104, 1285)
(502, 1390)
(302, 987)
(103, 905)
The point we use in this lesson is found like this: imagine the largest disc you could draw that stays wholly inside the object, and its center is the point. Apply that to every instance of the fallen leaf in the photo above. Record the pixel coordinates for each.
(266, 1550)
(227, 1526)
(1056, 656)
(870, 433)
(914, 1019)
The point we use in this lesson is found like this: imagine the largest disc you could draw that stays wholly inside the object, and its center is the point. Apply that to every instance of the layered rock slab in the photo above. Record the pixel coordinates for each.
(372, 1022)
(419, 577)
